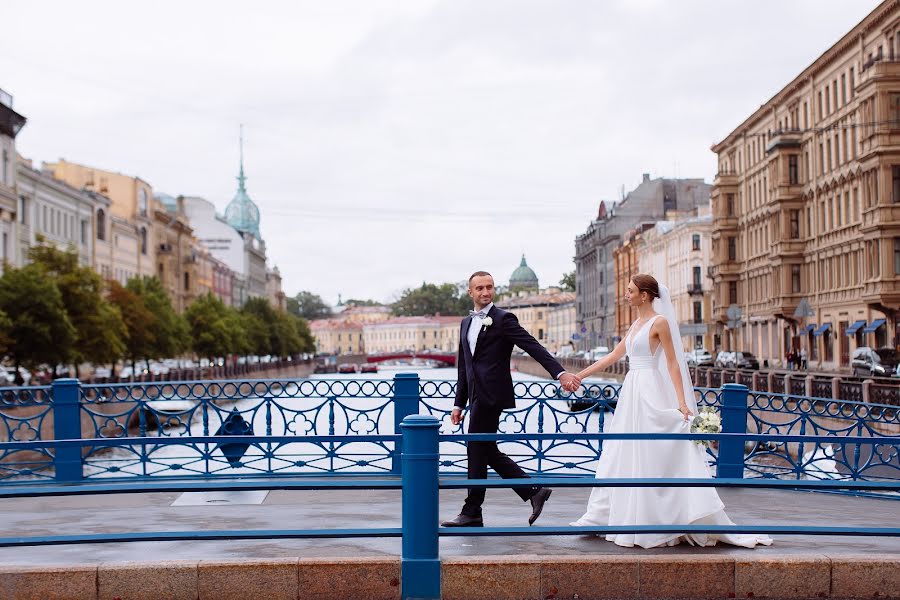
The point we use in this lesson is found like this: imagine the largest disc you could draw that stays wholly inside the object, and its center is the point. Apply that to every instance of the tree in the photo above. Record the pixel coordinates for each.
(267, 322)
(214, 330)
(355, 302)
(567, 283)
(39, 329)
(309, 306)
(99, 330)
(307, 340)
(431, 299)
(140, 322)
(171, 336)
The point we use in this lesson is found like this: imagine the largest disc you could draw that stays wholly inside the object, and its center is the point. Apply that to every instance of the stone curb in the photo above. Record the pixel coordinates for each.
(520, 577)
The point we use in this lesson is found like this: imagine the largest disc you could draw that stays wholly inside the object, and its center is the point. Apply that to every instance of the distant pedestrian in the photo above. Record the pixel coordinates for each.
(803, 364)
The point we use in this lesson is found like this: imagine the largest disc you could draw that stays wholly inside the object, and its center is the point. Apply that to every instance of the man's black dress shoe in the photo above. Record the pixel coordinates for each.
(462, 520)
(537, 503)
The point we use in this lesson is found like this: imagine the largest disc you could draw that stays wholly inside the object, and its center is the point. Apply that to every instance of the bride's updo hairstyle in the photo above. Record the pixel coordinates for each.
(646, 283)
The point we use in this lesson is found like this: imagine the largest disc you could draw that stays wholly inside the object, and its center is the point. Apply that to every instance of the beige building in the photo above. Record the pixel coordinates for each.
(533, 311)
(337, 336)
(176, 260)
(129, 221)
(806, 206)
(677, 253)
(415, 334)
(273, 289)
(562, 325)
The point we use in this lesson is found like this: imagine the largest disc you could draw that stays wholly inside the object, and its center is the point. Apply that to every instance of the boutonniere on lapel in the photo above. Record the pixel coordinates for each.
(486, 322)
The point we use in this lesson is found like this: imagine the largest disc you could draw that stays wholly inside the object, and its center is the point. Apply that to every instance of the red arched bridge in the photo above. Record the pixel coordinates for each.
(446, 358)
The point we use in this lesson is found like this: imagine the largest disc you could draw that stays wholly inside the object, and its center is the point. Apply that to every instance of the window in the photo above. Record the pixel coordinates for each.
(695, 241)
(187, 281)
(852, 83)
(795, 224)
(540, 334)
(698, 311)
(4, 167)
(101, 225)
(732, 292)
(827, 100)
(697, 277)
(795, 279)
(142, 202)
(732, 249)
(896, 256)
(729, 205)
(144, 242)
(843, 89)
(894, 109)
(820, 105)
(793, 171)
(23, 210)
(84, 231)
(895, 181)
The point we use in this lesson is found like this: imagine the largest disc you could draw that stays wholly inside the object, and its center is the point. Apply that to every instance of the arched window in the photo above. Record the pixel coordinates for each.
(101, 225)
(143, 240)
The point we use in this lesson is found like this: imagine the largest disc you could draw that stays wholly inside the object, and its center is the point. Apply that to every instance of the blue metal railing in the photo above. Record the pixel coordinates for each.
(289, 414)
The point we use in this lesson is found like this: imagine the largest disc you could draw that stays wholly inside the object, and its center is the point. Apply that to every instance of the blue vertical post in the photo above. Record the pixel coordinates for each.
(406, 402)
(420, 565)
(67, 426)
(734, 420)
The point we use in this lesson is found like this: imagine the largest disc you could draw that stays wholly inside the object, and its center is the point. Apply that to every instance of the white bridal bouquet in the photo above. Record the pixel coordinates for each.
(708, 421)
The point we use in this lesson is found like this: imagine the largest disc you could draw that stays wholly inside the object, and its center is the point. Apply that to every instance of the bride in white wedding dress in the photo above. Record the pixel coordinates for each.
(657, 396)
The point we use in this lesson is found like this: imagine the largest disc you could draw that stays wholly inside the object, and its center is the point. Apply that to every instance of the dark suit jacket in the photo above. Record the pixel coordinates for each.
(486, 375)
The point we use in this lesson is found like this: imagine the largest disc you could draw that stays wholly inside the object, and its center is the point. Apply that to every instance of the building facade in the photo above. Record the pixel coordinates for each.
(806, 207)
(337, 336)
(678, 253)
(534, 314)
(595, 262)
(131, 202)
(11, 211)
(176, 260)
(412, 334)
(55, 212)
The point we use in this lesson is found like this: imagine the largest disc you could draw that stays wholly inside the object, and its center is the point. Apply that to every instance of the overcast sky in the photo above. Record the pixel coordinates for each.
(393, 142)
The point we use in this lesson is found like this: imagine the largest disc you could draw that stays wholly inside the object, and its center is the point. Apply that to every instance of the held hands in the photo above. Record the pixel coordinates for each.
(569, 382)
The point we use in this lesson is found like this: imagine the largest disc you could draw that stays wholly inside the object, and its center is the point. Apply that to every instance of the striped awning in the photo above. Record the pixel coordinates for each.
(857, 325)
(874, 325)
(822, 329)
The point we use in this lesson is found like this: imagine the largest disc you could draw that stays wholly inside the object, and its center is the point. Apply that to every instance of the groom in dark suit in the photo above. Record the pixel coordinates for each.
(486, 340)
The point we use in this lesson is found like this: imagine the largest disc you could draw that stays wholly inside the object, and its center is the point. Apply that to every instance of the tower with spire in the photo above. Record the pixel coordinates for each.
(242, 213)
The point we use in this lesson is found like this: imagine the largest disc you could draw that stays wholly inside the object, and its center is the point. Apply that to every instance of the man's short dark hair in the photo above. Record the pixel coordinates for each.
(479, 274)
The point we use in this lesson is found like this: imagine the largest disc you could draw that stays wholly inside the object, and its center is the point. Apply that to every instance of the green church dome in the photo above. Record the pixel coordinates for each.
(523, 278)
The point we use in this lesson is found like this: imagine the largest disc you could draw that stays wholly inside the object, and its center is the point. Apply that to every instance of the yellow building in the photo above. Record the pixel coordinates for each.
(129, 222)
(533, 310)
(412, 334)
(806, 206)
(365, 314)
(176, 260)
(337, 336)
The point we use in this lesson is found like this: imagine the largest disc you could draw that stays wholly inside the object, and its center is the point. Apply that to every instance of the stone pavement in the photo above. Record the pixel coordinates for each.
(474, 567)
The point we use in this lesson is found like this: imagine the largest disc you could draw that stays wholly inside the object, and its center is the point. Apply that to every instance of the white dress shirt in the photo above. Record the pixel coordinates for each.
(475, 325)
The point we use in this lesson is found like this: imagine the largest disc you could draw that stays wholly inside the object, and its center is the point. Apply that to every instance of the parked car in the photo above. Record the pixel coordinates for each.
(699, 357)
(368, 368)
(725, 360)
(745, 360)
(347, 368)
(869, 362)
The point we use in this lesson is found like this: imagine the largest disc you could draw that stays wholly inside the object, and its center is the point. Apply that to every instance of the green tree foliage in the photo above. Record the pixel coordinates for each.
(170, 330)
(214, 329)
(40, 331)
(431, 299)
(567, 283)
(140, 322)
(309, 306)
(100, 332)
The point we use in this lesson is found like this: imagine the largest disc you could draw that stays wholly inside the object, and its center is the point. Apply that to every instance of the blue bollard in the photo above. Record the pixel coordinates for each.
(734, 420)
(67, 426)
(420, 565)
(406, 402)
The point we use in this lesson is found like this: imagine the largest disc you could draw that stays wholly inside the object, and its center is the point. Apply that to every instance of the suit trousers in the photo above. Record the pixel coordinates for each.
(486, 419)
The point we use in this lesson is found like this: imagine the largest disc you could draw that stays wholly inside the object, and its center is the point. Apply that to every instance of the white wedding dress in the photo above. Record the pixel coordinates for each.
(648, 404)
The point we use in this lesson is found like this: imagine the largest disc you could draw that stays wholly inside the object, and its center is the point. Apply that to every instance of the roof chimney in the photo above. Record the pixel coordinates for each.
(646, 177)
